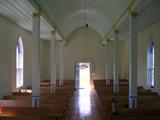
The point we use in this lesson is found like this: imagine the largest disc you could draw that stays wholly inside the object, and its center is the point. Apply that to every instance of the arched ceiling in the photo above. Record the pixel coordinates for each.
(68, 15)
(20, 13)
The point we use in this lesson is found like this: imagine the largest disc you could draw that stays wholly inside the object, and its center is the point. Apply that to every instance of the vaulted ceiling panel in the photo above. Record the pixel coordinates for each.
(148, 13)
(20, 12)
(68, 15)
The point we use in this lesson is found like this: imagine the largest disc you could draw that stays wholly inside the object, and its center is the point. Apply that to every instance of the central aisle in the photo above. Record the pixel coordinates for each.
(85, 105)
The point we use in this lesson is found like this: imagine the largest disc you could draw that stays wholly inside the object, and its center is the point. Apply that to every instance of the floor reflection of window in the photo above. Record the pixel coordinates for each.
(19, 63)
(84, 102)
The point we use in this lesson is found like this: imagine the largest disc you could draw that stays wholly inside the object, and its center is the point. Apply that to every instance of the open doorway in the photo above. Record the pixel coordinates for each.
(82, 75)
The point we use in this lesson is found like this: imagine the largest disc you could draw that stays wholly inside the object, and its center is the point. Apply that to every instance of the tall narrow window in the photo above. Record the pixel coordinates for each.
(150, 65)
(19, 63)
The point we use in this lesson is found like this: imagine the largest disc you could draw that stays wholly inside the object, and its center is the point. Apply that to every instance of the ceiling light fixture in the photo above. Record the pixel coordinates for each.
(86, 25)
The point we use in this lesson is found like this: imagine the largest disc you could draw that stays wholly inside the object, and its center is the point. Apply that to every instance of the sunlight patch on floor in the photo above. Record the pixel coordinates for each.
(84, 102)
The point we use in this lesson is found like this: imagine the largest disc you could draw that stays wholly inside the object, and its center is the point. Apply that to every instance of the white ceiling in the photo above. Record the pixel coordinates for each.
(69, 15)
(148, 13)
(20, 12)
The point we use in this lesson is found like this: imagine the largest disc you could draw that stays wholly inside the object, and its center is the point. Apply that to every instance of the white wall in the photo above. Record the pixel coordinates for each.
(150, 33)
(9, 34)
(153, 33)
(109, 59)
(84, 46)
(124, 59)
(45, 59)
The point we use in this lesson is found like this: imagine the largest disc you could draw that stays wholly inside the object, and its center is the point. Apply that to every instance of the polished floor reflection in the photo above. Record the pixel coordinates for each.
(85, 105)
(84, 102)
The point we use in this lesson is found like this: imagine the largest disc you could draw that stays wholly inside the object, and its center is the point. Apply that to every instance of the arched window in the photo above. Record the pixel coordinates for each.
(150, 65)
(19, 63)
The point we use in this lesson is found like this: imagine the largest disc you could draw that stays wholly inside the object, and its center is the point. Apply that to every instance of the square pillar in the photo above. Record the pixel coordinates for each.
(133, 61)
(116, 62)
(53, 62)
(36, 60)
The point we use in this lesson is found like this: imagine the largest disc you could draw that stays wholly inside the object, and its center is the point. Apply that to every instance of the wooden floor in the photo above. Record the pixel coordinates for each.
(85, 105)
(82, 104)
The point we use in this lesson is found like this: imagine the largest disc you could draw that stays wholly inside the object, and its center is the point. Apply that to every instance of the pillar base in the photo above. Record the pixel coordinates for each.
(116, 88)
(53, 88)
(108, 82)
(60, 83)
(114, 107)
(35, 101)
(132, 102)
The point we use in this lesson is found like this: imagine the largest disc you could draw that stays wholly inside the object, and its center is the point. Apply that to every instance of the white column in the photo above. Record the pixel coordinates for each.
(53, 62)
(133, 62)
(61, 63)
(108, 63)
(116, 62)
(36, 60)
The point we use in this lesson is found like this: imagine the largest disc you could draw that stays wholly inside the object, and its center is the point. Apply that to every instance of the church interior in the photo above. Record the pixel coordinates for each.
(79, 59)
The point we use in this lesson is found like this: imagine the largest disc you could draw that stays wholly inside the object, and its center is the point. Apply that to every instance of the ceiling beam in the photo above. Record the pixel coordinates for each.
(48, 19)
(119, 20)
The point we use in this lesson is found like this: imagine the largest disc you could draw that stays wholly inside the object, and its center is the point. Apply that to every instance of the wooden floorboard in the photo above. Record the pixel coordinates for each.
(85, 105)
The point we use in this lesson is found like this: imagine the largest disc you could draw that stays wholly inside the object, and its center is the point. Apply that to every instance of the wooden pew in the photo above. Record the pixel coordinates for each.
(147, 101)
(19, 118)
(55, 104)
(15, 103)
(41, 113)
(66, 83)
(103, 82)
(54, 110)
(137, 113)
